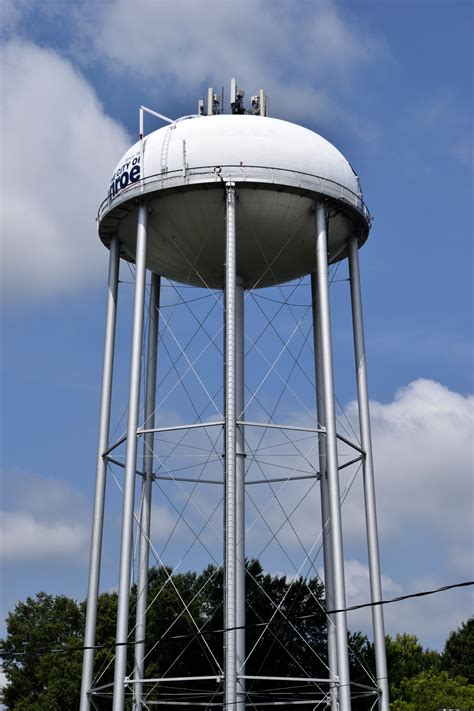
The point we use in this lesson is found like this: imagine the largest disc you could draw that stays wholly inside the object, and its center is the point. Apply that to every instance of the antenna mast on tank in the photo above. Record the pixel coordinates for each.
(215, 105)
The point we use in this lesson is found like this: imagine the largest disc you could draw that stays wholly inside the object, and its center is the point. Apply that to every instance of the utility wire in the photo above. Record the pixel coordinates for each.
(400, 598)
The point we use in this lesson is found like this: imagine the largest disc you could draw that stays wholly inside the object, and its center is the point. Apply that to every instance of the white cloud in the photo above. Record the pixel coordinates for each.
(25, 538)
(179, 46)
(42, 519)
(430, 618)
(58, 149)
(424, 484)
(424, 463)
(185, 40)
(424, 459)
(357, 583)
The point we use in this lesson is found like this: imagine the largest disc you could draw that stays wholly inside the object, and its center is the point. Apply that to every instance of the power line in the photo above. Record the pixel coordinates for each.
(400, 598)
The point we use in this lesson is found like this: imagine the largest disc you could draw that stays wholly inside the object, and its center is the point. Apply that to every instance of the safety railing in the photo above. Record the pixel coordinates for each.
(239, 173)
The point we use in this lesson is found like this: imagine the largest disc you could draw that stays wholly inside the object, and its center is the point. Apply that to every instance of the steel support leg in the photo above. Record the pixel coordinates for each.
(101, 470)
(230, 539)
(147, 483)
(130, 464)
(240, 493)
(368, 470)
(331, 458)
(323, 482)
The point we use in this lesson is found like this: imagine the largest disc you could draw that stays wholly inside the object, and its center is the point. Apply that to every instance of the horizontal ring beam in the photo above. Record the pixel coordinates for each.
(291, 478)
(216, 677)
(175, 428)
(271, 425)
(310, 680)
(157, 477)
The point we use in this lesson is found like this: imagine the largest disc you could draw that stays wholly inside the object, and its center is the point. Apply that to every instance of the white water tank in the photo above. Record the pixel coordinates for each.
(279, 169)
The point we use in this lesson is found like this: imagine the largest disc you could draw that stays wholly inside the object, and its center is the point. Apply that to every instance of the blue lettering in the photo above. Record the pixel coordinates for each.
(123, 177)
(135, 174)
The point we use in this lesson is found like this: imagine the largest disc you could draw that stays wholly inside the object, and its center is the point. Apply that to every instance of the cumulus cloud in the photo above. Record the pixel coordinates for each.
(58, 149)
(245, 36)
(423, 463)
(423, 466)
(256, 41)
(357, 583)
(25, 538)
(42, 519)
(424, 458)
(430, 618)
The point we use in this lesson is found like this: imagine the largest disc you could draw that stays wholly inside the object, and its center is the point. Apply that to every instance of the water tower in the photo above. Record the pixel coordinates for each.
(275, 202)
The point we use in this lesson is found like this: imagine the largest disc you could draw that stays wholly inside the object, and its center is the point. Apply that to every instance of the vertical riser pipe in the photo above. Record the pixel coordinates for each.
(230, 557)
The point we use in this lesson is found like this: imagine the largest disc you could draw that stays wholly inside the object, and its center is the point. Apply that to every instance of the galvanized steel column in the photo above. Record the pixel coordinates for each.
(323, 483)
(101, 472)
(230, 538)
(147, 483)
(331, 457)
(130, 464)
(368, 470)
(240, 493)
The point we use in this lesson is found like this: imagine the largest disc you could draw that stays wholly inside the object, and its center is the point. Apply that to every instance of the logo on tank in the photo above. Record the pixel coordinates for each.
(126, 174)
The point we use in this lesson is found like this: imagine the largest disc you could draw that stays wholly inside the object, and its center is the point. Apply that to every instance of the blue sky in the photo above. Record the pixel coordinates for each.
(390, 84)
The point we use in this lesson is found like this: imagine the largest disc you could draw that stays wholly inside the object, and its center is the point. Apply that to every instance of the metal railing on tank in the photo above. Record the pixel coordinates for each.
(241, 173)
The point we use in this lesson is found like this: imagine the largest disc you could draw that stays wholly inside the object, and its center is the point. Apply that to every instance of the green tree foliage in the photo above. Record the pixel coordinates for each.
(423, 680)
(172, 622)
(286, 636)
(432, 691)
(180, 605)
(38, 678)
(295, 635)
(458, 654)
(281, 648)
(406, 658)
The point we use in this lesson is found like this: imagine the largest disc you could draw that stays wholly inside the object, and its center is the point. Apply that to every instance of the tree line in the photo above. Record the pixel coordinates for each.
(42, 650)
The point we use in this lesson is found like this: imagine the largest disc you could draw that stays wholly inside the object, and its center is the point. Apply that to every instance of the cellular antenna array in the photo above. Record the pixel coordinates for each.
(215, 105)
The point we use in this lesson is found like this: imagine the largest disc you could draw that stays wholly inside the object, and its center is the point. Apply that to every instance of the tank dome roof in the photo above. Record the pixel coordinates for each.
(242, 141)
